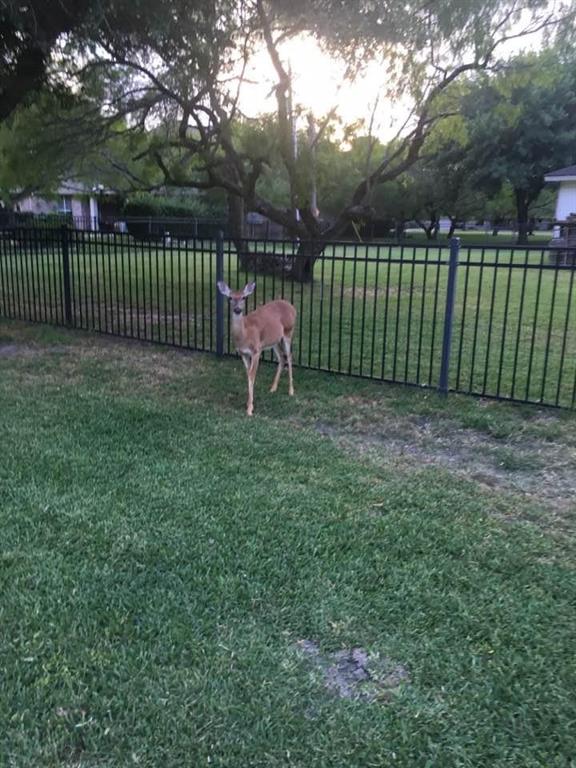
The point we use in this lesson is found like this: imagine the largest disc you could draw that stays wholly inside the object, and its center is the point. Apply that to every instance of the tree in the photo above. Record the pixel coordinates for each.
(32, 156)
(53, 138)
(441, 44)
(172, 73)
(522, 123)
(449, 186)
(29, 33)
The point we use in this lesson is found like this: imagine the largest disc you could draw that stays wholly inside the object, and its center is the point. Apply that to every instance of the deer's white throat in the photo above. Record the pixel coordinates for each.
(237, 327)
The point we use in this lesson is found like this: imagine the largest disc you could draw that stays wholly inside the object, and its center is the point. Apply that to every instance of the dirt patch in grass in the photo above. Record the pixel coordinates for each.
(9, 350)
(26, 350)
(115, 365)
(353, 673)
(537, 469)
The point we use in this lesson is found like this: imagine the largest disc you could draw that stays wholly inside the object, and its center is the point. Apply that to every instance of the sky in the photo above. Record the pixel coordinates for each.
(319, 85)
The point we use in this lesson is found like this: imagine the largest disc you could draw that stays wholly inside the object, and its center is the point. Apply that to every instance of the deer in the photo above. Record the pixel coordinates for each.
(269, 326)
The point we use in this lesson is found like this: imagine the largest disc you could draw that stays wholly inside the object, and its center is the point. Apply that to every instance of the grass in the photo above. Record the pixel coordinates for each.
(481, 238)
(162, 556)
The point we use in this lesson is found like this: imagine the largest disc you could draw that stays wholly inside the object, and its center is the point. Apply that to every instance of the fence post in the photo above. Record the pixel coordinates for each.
(219, 297)
(449, 314)
(64, 240)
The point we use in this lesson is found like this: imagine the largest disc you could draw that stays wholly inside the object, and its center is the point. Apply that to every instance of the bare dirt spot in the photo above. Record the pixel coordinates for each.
(539, 469)
(9, 350)
(26, 350)
(355, 674)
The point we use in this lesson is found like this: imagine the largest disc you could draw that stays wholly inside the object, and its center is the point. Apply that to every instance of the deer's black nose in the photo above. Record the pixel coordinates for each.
(237, 311)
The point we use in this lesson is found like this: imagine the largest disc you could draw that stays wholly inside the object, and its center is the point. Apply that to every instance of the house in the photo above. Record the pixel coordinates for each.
(86, 206)
(564, 240)
(566, 201)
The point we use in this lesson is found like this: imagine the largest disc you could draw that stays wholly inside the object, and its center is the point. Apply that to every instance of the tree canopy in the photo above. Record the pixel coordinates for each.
(521, 124)
(168, 76)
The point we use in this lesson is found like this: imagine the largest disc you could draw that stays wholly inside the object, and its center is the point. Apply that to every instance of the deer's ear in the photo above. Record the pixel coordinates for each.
(248, 289)
(223, 288)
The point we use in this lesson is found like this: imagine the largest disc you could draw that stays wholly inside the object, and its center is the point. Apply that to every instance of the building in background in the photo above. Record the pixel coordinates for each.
(87, 207)
(566, 200)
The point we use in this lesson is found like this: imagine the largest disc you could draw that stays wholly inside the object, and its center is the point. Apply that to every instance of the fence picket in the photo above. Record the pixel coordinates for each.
(449, 315)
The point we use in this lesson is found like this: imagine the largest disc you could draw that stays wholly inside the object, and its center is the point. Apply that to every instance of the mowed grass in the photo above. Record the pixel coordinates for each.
(375, 311)
(161, 556)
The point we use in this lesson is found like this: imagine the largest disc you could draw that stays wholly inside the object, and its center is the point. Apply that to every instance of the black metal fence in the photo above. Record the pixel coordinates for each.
(495, 322)
(140, 227)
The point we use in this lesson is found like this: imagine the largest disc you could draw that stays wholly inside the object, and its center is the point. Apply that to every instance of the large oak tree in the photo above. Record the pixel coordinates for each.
(172, 72)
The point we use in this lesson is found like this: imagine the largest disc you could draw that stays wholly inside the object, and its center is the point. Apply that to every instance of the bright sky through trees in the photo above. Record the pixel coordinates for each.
(320, 85)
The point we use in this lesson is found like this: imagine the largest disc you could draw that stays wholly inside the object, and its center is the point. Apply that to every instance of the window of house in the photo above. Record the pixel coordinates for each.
(65, 205)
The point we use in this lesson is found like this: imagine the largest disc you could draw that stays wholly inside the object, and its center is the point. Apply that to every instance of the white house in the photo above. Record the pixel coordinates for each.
(566, 201)
(81, 202)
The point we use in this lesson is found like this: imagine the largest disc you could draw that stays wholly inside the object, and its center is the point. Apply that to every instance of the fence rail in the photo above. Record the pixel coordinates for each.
(141, 227)
(496, 322)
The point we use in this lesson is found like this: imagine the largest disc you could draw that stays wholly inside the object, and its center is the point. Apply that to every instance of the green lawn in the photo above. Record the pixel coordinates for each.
(480, 237)
(374, 311)
(162, 556)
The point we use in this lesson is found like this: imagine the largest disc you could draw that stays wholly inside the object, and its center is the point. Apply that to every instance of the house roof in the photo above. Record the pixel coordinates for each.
(73, 187)
(562, 174)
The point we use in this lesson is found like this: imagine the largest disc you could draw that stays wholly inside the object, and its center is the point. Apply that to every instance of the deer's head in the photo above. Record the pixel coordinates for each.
(237, 299)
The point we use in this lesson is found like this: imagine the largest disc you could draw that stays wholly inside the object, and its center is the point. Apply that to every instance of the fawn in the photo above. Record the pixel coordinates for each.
(269, 326)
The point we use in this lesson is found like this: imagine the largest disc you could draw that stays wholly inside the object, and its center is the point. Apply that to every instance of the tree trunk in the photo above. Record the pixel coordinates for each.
(522, 204)
(236, 221)
(250, 259)
(304, 259)
(452, 228)
(434, 225)
(428, 229)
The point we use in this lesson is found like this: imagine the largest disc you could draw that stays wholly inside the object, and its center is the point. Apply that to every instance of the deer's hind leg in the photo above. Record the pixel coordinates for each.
(287, 345)
(279, 352)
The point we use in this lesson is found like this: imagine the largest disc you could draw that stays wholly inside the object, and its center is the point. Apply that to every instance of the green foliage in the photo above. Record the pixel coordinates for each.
(501, 206)
(190, 206)
(342, 168)
(56, 137)
(31, 155)
(522, 124)
(396, 200)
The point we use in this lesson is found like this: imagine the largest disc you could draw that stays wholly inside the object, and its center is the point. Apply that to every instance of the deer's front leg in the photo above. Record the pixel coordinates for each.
(252, 370)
